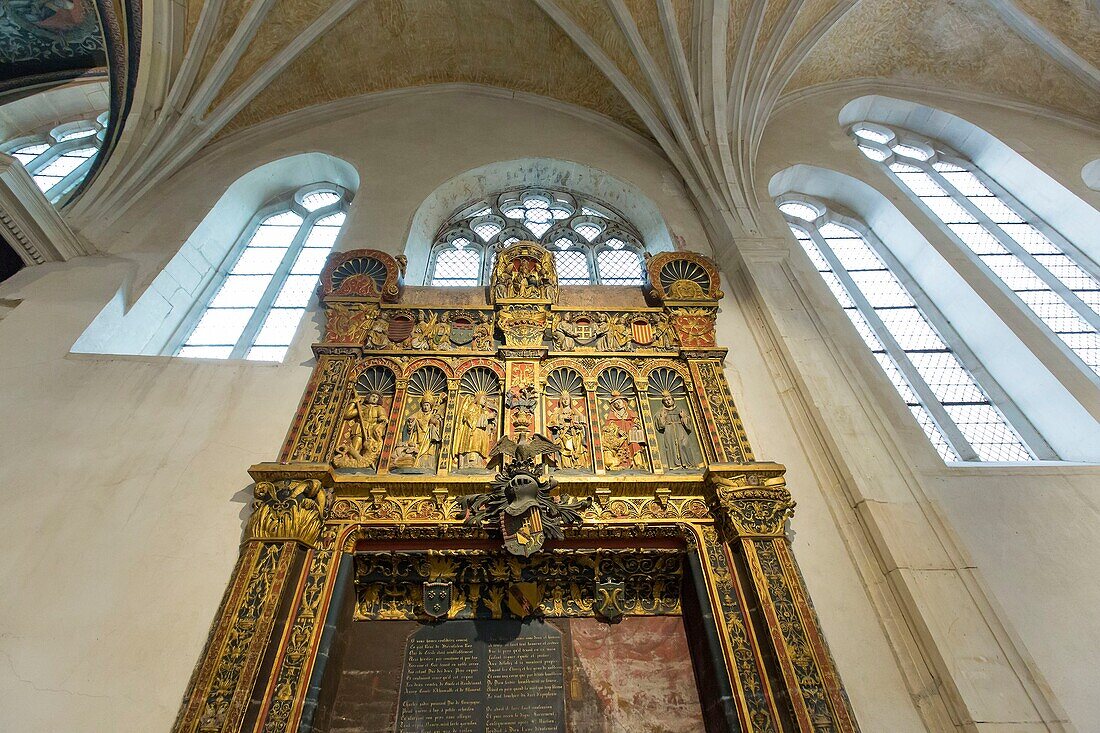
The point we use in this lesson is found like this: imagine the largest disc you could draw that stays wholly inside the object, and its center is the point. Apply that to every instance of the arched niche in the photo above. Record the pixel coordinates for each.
(1053, 202)
(480, 182)
(147, 326)
(1065, 425)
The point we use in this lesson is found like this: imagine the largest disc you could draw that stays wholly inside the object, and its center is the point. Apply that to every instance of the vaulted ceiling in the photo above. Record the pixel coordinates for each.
(700, 78)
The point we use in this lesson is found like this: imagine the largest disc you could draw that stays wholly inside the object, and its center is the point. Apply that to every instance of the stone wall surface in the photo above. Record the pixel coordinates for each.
(124, 477)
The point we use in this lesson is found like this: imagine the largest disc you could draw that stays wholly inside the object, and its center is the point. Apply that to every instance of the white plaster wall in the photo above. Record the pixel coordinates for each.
(124, 477)
(1031, 534)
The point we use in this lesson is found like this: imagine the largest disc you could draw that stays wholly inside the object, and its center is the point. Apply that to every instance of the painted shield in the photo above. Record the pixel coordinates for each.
(437, 599)
(523, 533)
(610, 600)
(462, 331)
(524, 599)
(400, 327)
(641, 332)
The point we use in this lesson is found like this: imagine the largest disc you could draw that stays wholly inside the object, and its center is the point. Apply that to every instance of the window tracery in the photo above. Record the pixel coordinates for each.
(591, 242)
(59, 159)
(1050, 277)
(920, 354)
(253, 308)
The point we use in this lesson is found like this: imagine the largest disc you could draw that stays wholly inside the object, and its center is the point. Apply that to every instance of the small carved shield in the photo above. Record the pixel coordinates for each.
(400, 327)
(610, 600)
(641, 332)
(437, 598)
(584, 329)
(523, 533)
(524, 599)
(462, 331)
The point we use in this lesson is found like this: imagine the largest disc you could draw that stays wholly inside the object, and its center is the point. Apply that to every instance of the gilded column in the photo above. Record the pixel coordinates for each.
(314, 424)
(751, 504)
(655, 464)
(286, 514)
(450, 416)
(396, 414)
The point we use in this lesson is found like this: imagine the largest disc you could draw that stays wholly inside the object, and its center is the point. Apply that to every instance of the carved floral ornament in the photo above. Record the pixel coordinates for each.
(753, 504)
(363, 273)
(287, 509)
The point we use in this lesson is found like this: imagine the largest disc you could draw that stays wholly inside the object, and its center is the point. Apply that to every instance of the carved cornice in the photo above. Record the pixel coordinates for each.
(31, 223)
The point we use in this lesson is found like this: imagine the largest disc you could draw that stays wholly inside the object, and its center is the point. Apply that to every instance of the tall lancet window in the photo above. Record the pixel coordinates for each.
(1050, 277)
(252, 308)
(918, 350)
(591, 242)
(59, 159)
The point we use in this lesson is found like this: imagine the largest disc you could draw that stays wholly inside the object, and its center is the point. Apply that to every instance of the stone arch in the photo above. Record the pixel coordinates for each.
(145, 324)
(1033, 187)
(479, 182)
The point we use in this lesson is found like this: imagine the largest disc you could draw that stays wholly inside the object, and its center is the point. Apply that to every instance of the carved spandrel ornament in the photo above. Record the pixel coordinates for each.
(288, 509)
(751, 504)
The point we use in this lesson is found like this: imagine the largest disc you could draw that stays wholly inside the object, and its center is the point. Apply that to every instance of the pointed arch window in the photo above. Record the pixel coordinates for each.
(921, 355)
(252, 308)
(591, 242)
(59, 159)
(1049, 276)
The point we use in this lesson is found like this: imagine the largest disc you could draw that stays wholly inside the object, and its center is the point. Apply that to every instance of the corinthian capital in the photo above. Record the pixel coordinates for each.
(288, 509)
(752, 502)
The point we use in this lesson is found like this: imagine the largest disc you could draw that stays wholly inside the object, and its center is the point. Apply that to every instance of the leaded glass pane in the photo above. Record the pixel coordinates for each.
(620, 267)
(241, 291)
(279, 326)
(927, 356)
(572, 267)
(319, 200)
(799, 210)
(220, 326)
(296, 291)
(457, 267)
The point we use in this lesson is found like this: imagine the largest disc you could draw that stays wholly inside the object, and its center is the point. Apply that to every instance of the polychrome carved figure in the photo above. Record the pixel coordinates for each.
(676, 441)
(476, 433)
(364, 430)
(623, 437)
(423, 431)
(568, 429)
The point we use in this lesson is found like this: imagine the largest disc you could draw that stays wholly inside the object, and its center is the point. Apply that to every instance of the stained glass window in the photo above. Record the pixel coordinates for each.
(1045, 272)
(59, 159)
(590, 241)
(941, 392)
(255, 307)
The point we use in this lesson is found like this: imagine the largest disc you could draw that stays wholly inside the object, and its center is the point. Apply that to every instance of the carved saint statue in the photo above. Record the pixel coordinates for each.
(420, 439)
(623, 437)
(365, 429)
(476, 432)
(674, 426)
(567, 426)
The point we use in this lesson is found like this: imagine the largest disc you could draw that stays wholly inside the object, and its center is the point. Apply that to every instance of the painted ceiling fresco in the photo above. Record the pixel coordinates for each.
(44, 40)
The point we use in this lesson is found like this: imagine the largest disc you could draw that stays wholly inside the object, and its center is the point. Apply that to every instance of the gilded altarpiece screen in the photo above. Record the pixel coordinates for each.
(521, 507)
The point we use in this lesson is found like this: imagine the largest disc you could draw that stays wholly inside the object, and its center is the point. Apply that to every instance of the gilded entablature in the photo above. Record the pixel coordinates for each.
(507, 452)
(429, 389)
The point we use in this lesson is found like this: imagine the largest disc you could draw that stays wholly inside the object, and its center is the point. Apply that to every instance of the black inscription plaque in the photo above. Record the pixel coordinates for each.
(483, 676)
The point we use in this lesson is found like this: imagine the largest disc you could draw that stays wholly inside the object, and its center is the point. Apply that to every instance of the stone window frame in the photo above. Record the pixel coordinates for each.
(50, 136)
(290, 201)
(996, 397)
(938, 152)
(464, 221)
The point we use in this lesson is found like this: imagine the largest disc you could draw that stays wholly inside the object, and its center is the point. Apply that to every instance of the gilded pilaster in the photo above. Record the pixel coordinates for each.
(751, 504)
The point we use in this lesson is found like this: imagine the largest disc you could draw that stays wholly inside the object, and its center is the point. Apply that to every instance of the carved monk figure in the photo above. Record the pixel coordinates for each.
(476, 433)
(366, 427)
(674, 426)
(623, 434)
(567, 426)
(423, 433)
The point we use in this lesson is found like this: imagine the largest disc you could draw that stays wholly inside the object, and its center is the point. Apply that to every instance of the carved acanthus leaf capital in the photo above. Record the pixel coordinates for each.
(288, 509)
(751, 503)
